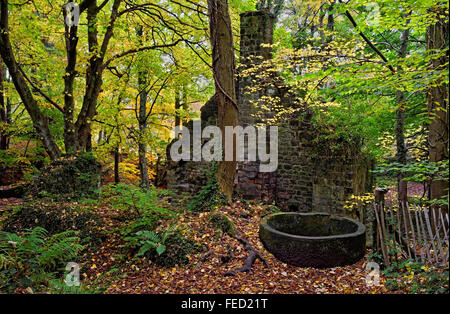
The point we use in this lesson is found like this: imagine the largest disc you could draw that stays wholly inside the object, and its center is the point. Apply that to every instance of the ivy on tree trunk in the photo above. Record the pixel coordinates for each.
(224, 73)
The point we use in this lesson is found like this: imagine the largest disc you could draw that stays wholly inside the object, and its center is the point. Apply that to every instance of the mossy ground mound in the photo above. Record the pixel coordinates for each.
(55, 218)
(177, 250)
(69, 177)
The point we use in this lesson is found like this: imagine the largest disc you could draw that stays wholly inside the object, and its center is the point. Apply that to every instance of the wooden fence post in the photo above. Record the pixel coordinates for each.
(379, 195)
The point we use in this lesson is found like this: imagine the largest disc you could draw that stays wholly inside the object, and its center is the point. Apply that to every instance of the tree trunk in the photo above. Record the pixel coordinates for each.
(400, 123)
(116, 165)
(401, 147)
(93, 79)
(40, 121)
(101, 135)
(224, 74)
(180, 103)
(89, 140)
(143, 167)
(437, 39)
(142, 117)
(177, 107)
(71, 39)
(94, 72)
(4, 110)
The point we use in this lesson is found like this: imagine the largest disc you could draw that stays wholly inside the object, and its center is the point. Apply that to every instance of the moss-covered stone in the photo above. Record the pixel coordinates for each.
(221, 222)
(313, 239)
(177, 250)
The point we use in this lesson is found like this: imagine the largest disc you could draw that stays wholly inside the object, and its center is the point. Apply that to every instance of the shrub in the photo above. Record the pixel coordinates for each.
(149, 240)
(135, 200)
(31, 260)
(142, 208)
(415, 277)
(14, 166)
(148, 222)
(165, 248)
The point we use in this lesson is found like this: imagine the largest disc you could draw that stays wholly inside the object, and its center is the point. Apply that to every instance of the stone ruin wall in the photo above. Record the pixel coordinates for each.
(303, 181)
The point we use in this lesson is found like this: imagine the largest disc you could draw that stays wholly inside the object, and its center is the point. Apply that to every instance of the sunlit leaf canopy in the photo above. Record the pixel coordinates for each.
(37, 33)
(336, 72)
(332, 68)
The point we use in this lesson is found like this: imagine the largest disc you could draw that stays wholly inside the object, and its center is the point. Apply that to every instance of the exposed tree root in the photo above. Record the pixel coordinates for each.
(224, 224)
(251, 258)
(204, 258)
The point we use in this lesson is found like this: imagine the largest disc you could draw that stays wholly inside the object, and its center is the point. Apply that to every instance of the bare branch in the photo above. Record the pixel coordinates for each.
(39, 90)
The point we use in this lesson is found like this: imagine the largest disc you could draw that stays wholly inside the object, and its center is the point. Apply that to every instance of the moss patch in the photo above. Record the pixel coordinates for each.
(69, 177)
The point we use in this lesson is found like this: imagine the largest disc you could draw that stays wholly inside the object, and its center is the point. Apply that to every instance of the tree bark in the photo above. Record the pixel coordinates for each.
(400, 125)
(224, 74)
(71, 39)
(437, 39)
(177, 107)
(40, 121)
(142, 117)
(4, 110)
(116, 165)
(94, 72)
(401, 146)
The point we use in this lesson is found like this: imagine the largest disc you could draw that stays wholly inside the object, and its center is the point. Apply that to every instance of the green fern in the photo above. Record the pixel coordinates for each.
(34, 257)
(59, 247)
(149, 240)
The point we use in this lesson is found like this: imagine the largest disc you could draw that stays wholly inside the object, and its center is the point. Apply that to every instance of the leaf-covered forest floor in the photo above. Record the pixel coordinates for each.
(415, 189)
(205, 271)
(116, 270)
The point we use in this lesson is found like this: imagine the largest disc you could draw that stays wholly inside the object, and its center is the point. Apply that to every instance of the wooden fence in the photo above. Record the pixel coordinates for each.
(411, 232)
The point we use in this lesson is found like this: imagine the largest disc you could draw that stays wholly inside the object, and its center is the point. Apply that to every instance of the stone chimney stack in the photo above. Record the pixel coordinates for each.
(256, 29)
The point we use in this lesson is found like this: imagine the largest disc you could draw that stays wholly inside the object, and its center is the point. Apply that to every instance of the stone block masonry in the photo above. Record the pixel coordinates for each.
(307, 179)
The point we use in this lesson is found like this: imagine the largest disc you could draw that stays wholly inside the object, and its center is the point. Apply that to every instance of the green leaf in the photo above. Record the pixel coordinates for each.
(146, 247)
(160, 249)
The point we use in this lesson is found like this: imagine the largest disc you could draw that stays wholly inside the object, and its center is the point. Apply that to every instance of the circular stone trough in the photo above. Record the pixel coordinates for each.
(313, 239)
